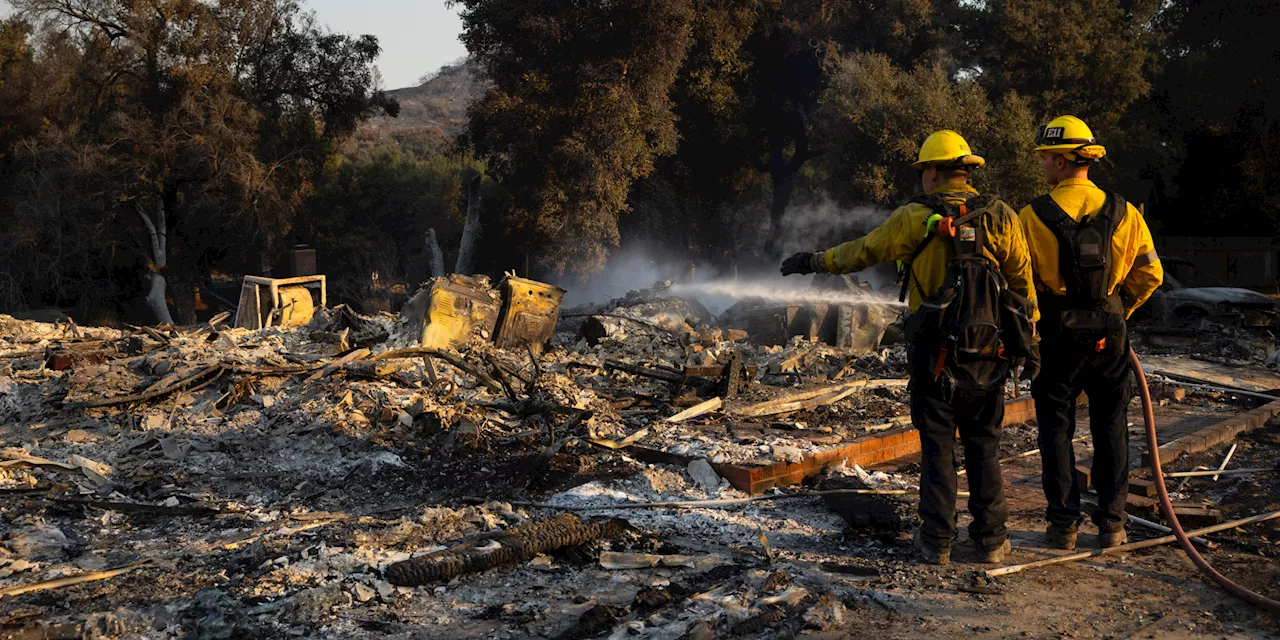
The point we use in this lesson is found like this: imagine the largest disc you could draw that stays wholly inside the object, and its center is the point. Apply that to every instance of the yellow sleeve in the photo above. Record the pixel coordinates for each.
(1145, 273)
(895, 239)
(1014, 258)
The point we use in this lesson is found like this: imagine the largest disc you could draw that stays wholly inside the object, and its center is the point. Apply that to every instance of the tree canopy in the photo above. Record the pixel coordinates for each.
(183, 136)
(146, 145)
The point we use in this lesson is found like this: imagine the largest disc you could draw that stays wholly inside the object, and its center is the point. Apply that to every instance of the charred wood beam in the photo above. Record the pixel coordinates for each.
(674, 378)
(516, 545)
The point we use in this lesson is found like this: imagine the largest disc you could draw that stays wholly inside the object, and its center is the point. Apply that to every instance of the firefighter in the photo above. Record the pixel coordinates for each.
(1095, 263)
(911, 235)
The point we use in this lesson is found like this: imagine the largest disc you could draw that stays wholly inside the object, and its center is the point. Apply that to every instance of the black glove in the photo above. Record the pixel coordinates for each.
(801, 263)
(1031, 367)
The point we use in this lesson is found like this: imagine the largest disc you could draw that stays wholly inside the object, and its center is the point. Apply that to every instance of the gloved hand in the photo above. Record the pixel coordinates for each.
(1031, 366)
(801, 263)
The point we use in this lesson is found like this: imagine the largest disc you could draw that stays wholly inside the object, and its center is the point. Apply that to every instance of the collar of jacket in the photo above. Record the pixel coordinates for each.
(953, 187)
(1074, 182)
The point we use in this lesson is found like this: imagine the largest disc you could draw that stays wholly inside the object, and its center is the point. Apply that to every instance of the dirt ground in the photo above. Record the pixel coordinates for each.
(209, 580)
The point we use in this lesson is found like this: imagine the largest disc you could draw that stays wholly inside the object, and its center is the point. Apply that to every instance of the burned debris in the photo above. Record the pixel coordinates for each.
(482, 462)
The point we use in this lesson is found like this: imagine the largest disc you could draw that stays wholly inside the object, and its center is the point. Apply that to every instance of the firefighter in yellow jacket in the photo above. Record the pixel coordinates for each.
(922, 235)
(1095, 263)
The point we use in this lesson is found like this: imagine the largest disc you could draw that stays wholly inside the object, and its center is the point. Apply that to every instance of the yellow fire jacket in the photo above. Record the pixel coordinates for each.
(1136, 271)
(899, 236)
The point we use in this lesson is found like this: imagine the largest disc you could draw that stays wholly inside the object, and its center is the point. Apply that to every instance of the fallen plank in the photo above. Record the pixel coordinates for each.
(1214, 472)
(1155, 526)
(812, 399)
(458, 363)
(133, 507)
(358, 354)
(1225, 461)
(626, 442)
(58, 583)
(616, 560)
(1004, 571)
(273, 371)
(723, 502)
(697, 410)
(155, 391)
(665, 376)
(714, 371)
(1212, 387)
(32, 462)
(40, 353)
(1203, 372)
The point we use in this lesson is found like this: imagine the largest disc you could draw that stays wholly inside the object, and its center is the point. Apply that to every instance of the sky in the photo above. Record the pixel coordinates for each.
(417, 36)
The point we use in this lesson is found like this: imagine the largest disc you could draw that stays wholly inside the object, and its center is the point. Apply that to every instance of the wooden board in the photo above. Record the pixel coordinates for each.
(1247, 378)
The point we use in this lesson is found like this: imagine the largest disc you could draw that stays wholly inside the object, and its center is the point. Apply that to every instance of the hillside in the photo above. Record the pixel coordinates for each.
(441, 101)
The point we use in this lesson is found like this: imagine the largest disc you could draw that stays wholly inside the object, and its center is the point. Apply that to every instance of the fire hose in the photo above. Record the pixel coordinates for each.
(1148, 415)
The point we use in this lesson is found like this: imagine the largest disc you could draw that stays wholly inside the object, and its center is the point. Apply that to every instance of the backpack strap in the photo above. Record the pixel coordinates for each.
(975, 205)
(1050, 213)
(1114, 209)
(1066, 230)
(973, 209)
(909, 274)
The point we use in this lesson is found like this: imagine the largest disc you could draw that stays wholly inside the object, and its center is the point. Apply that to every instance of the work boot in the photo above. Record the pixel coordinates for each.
(927, 554)
(1108, 539)
(996, 555)
(1061, 537)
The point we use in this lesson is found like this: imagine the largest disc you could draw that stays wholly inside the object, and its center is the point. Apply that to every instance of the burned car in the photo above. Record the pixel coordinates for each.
(1177, 305)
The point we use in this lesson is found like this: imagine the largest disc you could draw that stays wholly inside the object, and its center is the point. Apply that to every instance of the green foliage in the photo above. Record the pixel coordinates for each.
(1090, 58)
(697, 126)
(875, 115)
(373, 215)
(206, 123)
(579, 109)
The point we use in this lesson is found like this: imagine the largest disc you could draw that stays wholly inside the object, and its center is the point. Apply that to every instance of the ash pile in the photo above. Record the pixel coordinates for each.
(261, 475)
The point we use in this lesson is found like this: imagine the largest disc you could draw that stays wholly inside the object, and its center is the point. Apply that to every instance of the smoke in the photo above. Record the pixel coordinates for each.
(627, 270)
(821, 223)
(811, 225)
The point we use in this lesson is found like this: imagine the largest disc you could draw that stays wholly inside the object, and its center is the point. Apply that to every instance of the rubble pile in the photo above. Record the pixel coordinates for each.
(370, 474)
(236, 444)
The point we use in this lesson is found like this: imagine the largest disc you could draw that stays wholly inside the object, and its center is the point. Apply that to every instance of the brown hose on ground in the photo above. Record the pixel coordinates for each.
(1167, 506)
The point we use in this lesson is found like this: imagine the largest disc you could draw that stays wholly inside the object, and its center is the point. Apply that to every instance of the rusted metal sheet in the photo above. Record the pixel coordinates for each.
(530, 310)
(450, 310)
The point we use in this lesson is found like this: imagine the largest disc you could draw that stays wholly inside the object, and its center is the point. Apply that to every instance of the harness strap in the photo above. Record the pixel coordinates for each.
(937, 202)
(1067, 230)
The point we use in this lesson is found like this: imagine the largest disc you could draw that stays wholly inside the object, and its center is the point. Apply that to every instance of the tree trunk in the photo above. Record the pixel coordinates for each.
(783, 170)
(467, 246)
(783, 186)
(434, 256)
(156, 298)
(158, 237)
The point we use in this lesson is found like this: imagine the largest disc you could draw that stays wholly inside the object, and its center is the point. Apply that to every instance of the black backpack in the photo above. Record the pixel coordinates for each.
(1088, 316)
(973, 325)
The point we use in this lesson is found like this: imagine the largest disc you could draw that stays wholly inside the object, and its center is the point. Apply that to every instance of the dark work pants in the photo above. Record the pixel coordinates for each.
(978, 416)
(1066, 372)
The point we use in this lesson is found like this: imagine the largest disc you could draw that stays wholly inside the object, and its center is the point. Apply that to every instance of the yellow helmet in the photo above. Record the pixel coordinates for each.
(1071, 137)
(946, 148)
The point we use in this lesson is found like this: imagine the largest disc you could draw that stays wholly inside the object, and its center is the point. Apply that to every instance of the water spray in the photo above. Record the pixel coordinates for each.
(777, 293)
